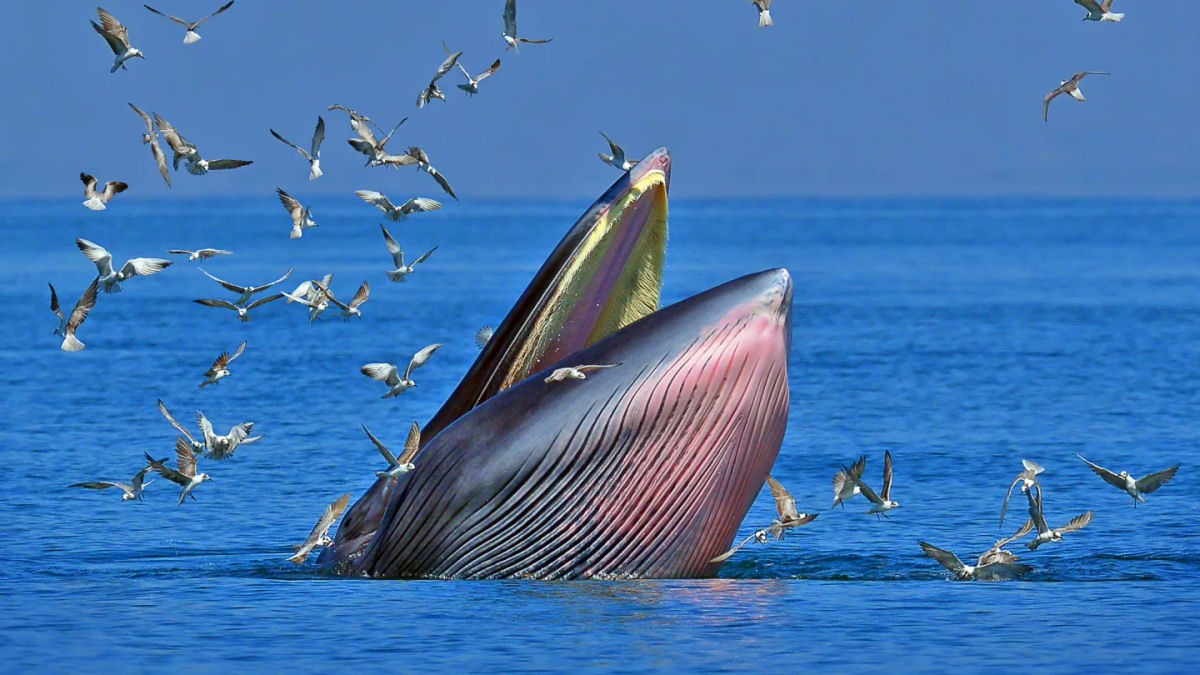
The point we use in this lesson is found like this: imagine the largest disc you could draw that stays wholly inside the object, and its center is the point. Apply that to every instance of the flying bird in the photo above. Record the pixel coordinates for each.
(432, 90)
(319, 536)
(218, 447)
(366, 143)
(764, 12)
(510, 28)
(1071, 87)
(617, 158)
(220, 367)
(117, 37)
(96, 200)
(993, 571)
(301, 215)
(350, 309)
(245, 292)
(197, 446)
(150, 137)
(416, 155)
(1047, 533)
(191, 35)
(184, 149)
(880, 503)
(997, 553)
(243, 313)
(472, 85)
(313, 156)
(185, 474)
(402, 270)
(482, 336)
(404, 463)
(132, 490)
(312, 294)
(1028, 480)
(1098, 11)
(393, 212)
(576, 372)
(785, 505)
(1134, 487)
(110, 279)
(68, 325)
(199, 254)
(390, 375)
(843, 486)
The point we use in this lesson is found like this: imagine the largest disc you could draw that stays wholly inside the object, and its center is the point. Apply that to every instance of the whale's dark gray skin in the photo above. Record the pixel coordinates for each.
(643, 470)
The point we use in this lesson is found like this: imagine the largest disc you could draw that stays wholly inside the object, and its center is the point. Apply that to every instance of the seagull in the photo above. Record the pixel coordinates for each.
(220, 367)
(132, 489)
(1045, 532)
(219, 447)
(366, 142)
(245, 292)
(191, 35)
(151, 137)
(375, 150)
(320, 532)
(313, 157)
(242, 312)
(764, 12)
(197, 446)
(358, 122)
(617, 158)
(788, 518)
(187, 151)
(393, 212)
(1098, 11)
(199, 254)
(110, 279)
(997, 553)
(301, 215)
(1134, 487)
(472, 85)
(510, 28)
(312, 294)
(432, 90)
(880, 503)
(843, 486)
(389, 374)
(393, 247)
(185, 475)
(576, 372)
(482, 336)
(96, 200)
(416, 155)
(351, 308)
(405, 463)
(68, 325)
(1028, 480)
(117, 37)
(1071, 87)
(995, 571)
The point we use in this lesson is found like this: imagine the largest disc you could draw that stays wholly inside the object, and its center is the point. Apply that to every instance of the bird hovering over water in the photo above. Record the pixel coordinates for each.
(313, 156)
(185, 475)
(312, 294)
(617, 158)
(1134, 487)
(880, 503)
(788, 518)
(1098, 11)
(220, 367)
(117, 37)
(510, 28)
(390, 375)
(218, 447)
(245, 292)
(319, 536)
(1071, 87)
(843, 486)
(68, 325)
(109, 278)
(1028, 480)
(432, 91)
(199, 254)
(184, 149)
(472, 85)
(402, 270)
(764, 12)
(132, 490)
(243, 313)
(350, 309)
(393, 212)
(576, 372)
(301, 215)
(1047, 533)
(416, 155)
(997, 553)
(150, 137)
(191, 35)
(405, 462)
(96, 200)
(992, 571)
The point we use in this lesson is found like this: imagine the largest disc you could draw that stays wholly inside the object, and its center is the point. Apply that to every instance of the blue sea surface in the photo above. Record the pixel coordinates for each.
(961, 335)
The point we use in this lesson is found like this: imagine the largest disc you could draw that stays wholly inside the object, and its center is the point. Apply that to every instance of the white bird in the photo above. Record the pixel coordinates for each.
(185, 475)
(350, 309)
(764, 12)
(472, 85)
(366, 142)
(405, 462)
(510, 28)
(197, 446)
(576, 372)
(150, 137)
(199, 254)
(220, 447)
(312, 294)
(843, 486)
(390, 375)
(1028, 480)
(415, 155)
(1071, 87)
(393, 212)
(68, 325)
(432, 90)
(117, 37)
(880, 503)
(184, 149)
(220, 367)
(1098, 11)
(1134, 487)
(301, 215)
(243, 313)
(482, 336)
(1047, 533)
(617, 158)
(109, 278)
(96, 200)
(402, 270)
(319, 536)
(313, 156)
(785, 506)
(994, 571)
(191, 35)
(132, 490)
(245, 292)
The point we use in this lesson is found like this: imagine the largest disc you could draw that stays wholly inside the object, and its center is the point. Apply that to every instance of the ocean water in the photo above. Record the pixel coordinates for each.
(960, 335)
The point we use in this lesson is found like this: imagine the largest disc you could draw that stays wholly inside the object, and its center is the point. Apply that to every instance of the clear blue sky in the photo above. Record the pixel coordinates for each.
(838, 98)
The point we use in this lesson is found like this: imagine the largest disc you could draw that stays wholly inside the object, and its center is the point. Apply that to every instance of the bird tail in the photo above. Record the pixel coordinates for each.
(71, 343)
(315, 172)
(298, 557)
(394, 275)
(95, 204)
(764, 19)
(1111, 16)
(192, 36)
(296, 234)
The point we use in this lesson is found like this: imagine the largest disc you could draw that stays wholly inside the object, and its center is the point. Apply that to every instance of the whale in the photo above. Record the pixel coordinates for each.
(644, 469)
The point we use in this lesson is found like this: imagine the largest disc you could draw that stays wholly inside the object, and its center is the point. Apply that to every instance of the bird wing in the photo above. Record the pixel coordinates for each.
(441, 180)
(113, 187)
(1024, 530)
(139, 478)
(482, 336)
(119, 34)
(97, 254)
(1077, 522)
(384, 372)
(1032, 466)
(102, 485)
(1004, 506)
(219, 164)
(383, 449)
(420, 358)
(241, 348)
(1002, 571)
(599, 366)
(1105, 5)
(617, 151)
(205, 428)
(1035, 514)
(291, 204)
(160, 159)
(393, 246)
(361, 295)
(54, 303)
(239, 432)
(213, 302)
(263, 301)
(88, 300)
(259, 289)
(165, 471)
(1089, 5)
(1148, 483)
(425, 255)
(535, 42)
(785, 504)
(420, 204)
(179, 145)
(1108, 476)
(185, 459)
(330, 514)
(864, 489)
(145, 118)
(487, 73)
(318, 137)
(451, 59)
(298, 148)
(887, 475)
(89, 184)
(510, 18)
(1081, 74)
(144, 266)
(944, 557)
(222, 9)
(1046, 102)
(411, 444)
(162, 408)
(219, 363)
(376, 199)
(229, 286)
(173, 18)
